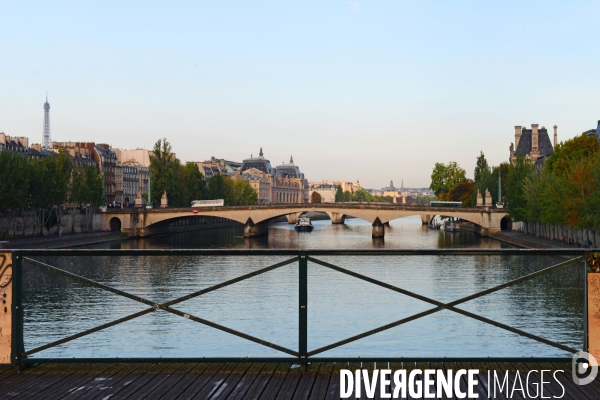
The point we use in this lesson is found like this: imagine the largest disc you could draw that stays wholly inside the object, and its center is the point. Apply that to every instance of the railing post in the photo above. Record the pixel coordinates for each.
(17, 309)
(303, 297)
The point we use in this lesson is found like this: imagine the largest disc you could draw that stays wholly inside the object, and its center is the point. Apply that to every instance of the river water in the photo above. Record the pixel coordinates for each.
(339, 306)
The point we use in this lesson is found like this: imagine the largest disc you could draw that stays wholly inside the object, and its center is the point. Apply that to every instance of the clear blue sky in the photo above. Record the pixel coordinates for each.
(368, 90)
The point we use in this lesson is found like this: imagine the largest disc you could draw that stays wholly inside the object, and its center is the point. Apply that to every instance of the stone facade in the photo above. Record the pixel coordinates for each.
(533, 143)
(283, 184)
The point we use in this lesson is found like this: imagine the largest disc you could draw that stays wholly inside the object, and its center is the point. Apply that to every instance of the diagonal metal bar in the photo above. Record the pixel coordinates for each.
(89, 281)
(89, 331)
(511, 329)
(374, 331)
(441, 306)
(515, 281)
(229, 330)
(377, 282)
(164, 306)
(230, 282)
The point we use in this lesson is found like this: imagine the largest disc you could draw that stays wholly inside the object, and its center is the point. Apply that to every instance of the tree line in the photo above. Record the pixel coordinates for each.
(564, 191)
(41, 190)
(184, 183)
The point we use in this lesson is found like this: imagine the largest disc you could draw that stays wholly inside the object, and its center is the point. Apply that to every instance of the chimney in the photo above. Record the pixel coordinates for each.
(517, 136)
(556, 134)
(535, 153)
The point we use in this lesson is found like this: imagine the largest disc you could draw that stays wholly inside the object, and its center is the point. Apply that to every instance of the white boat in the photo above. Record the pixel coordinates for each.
(304, 224)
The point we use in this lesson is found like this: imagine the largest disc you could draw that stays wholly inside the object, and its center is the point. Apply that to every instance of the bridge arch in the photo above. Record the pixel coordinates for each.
(115, 224)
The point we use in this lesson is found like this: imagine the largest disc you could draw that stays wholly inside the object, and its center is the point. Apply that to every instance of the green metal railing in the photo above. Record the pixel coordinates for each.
(21, 356)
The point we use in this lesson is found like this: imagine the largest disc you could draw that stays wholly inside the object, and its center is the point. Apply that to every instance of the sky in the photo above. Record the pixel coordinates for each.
(355, 90)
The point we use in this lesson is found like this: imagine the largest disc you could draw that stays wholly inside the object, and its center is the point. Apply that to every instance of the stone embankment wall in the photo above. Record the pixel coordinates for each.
(587, 237)
(24, 226)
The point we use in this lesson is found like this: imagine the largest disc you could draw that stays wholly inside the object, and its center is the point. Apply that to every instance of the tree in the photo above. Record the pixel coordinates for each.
(444, 177)
(218, 188)
(482, 176)
(14, 186)
(424, 200)
(362, 195)
(346, 196)
(339, 194)
(493, 181)
(161, 170)
(515, 188)
(194, 185)
(240, 193)
(88, 189)
(463, 191)
(315, 197)
(570, 152)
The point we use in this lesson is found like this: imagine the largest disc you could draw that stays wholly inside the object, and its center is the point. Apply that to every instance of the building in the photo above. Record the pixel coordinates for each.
(138, 161)
(215, 166)
(326, 191)
(81, 155)
(595, 132)
(283, 184)
(17, 144)
(533, 143)
(138, 156)
(107, 161)
(130, 183)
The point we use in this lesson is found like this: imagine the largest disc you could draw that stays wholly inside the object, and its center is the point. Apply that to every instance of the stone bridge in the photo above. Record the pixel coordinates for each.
(146, 222)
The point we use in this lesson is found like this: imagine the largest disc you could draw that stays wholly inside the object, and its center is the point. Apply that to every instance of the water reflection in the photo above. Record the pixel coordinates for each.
(339, 306)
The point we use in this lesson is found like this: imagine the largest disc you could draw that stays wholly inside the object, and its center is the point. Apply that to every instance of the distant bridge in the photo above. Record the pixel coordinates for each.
(146, 222)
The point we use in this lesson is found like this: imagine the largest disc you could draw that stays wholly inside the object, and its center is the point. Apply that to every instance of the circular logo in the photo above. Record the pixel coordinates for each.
(584, 368)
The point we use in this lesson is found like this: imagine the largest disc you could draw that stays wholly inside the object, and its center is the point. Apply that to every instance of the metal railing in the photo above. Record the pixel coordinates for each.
(20, 355)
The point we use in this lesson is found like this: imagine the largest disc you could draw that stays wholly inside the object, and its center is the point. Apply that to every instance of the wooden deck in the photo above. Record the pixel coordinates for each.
(237, 381)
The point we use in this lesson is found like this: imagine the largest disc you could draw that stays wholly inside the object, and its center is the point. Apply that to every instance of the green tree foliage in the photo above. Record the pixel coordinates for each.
(193, 183)
(515, 188)
(163, 171)
(484, 179)
(493, 181)
(217, 188)
(463, 191)
(88, 189)
(339, 194)
(241, 193)
(571, 152)
(444, 177)
(424, 200)
(14, 186)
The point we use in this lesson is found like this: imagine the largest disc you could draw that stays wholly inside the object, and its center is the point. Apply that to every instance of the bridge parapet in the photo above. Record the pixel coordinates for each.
(144, 222)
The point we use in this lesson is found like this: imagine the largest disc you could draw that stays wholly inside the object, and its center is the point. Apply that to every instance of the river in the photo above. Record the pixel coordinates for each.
(339, 306)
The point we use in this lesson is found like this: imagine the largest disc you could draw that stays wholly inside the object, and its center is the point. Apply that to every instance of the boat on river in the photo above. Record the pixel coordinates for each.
(303, 224)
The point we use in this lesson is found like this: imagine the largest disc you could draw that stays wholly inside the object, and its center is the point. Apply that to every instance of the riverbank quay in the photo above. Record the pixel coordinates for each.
(58, 242)
(271, 380)
(531, 241)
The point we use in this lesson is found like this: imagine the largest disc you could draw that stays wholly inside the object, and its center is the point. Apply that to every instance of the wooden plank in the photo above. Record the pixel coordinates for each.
(76, 392)
(333, 390)
(81, 376)
(439, 366)
(307, 380)
(566, 379)
(136, 381)
(224, 390)
(276, 381)
(177, 384)
(551, 388)
(483, 380)
(290, 383)
(40, 383)
(243, 385)
(172, 371)
(262, 380)
(17, 383)
(113, 384)
(322, 381)
(201, 381)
